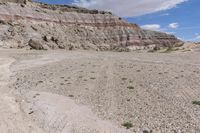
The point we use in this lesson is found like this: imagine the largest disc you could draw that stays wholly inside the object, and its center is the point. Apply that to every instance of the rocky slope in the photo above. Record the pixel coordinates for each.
(25, 24)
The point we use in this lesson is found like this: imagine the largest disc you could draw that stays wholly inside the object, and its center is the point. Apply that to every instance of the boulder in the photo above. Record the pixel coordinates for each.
(35, 44)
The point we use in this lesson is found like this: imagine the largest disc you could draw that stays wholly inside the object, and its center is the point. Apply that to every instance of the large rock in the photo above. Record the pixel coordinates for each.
(35, 44)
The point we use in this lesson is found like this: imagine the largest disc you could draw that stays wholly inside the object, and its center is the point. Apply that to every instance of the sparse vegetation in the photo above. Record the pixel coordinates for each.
(163, 50)
(40, 81)
(128, 125)
(170, 49)
(124, 79)
(130, 81)
(155, 49)
(178, 44)
(80, 77)
(31, 112)
(196, 102)
(71, 95)
(151, 51)
(130, 87)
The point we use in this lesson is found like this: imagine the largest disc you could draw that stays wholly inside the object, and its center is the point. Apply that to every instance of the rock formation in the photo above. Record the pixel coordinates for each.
(15, 1)
(69, 27)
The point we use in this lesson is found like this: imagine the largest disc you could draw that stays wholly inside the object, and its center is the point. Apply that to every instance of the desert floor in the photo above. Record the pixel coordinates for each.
(97, 92)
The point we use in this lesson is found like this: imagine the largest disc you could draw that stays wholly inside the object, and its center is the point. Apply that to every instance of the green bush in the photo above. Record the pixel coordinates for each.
(128, 125)
(130, 87)
(196, 102)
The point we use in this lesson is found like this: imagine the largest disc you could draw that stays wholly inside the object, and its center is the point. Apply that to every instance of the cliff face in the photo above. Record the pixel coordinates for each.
(66, 27)
(15, 1)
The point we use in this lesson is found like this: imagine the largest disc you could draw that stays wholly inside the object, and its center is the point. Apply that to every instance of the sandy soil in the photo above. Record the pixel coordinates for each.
(96, 92)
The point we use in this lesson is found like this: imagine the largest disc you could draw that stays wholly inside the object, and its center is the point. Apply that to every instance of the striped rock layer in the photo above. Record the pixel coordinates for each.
(68, 27)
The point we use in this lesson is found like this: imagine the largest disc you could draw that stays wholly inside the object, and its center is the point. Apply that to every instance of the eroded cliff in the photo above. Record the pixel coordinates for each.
(43, 26)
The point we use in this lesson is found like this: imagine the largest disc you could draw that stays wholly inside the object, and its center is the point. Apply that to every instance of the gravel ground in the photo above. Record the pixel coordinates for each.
(97, 92)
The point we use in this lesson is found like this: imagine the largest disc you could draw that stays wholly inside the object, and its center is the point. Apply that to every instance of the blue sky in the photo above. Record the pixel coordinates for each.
(178, 17)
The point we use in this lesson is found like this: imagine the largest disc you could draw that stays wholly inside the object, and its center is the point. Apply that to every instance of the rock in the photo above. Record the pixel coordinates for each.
(61, 46)
(22, 5)
(54, 39)
(35, 44)
(3, 22)
(147, 131)
(34, 28)
(46, 38)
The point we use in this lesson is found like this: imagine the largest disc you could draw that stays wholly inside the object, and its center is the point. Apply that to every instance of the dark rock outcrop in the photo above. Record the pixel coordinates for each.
(69, 27)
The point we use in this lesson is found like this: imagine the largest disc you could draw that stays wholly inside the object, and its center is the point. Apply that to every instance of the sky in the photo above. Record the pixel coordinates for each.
(178, 17)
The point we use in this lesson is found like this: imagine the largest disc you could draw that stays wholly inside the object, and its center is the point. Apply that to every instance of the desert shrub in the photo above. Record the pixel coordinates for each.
(128, 125)
(130, 87)
(196, 102)
(124, 79)
(170, 49)
(93, 78)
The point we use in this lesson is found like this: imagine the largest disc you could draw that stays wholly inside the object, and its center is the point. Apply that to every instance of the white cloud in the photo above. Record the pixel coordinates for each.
(165, 14)
(129, 8)
(158, 27)
(173, 25)
(180, 38)
(197, 36)
(151, 27)
(169, 32)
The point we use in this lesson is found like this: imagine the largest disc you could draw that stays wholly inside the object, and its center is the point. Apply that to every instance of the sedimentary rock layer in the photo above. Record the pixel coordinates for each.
(69, 27)
(15, 1)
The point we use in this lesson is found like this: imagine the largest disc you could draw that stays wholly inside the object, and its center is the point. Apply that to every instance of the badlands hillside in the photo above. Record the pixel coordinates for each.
(27, 24)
